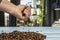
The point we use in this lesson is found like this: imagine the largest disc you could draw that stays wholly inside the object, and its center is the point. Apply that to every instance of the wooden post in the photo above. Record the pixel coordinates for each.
(47, 12)
(1, 18)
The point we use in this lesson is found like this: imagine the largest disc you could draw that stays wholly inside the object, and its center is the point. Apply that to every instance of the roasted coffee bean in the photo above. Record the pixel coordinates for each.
(17, 35)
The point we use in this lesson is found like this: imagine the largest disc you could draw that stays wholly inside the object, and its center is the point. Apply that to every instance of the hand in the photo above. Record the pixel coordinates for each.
(14, 10)
(23, 9)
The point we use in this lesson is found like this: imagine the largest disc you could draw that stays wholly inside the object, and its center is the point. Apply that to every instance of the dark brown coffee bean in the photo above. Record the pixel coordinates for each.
(16, 35)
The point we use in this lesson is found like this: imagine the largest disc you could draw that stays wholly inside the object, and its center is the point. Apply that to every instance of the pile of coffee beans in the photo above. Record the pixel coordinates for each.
(17, 35)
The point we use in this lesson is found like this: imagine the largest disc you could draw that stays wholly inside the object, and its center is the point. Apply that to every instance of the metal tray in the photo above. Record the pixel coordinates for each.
(21, 29)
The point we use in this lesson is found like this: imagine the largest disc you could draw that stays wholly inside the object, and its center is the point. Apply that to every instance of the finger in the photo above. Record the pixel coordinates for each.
(22, 17)
(19, 15)
(27, 13)
(28, 8)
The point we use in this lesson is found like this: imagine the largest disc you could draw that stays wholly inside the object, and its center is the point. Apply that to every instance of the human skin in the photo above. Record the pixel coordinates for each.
(14, 10)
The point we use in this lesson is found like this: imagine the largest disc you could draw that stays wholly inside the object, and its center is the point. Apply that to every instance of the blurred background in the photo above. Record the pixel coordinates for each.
(43, 13)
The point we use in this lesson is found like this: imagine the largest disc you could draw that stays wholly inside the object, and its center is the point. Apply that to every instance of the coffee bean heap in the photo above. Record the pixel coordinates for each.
(17, 35)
